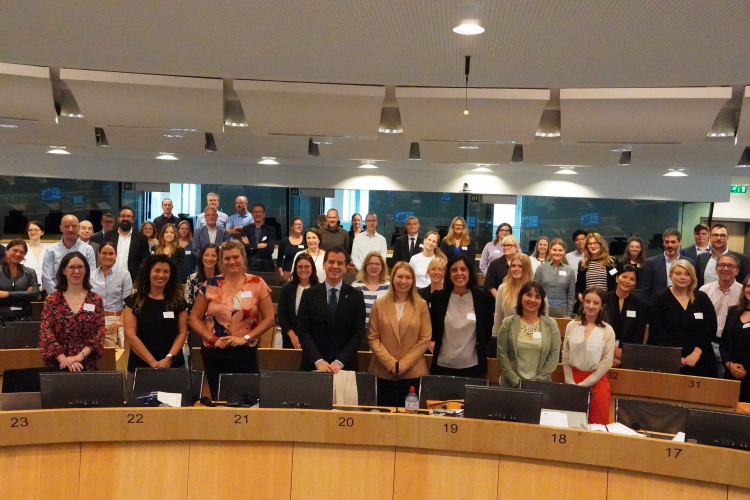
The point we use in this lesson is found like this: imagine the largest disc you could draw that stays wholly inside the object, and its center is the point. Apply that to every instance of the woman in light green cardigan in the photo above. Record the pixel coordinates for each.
(528, 343)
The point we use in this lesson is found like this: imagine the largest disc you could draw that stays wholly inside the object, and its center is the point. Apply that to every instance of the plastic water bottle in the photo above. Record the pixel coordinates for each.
(412, 401)
(278, 341)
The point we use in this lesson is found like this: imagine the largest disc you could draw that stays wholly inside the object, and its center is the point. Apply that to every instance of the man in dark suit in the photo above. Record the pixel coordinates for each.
(108, 222)
(259, 239)
(656, 275)
(331, 319)
(700, 235)
(203, 234)
(705, 266)
(132, 245)
(408, 245)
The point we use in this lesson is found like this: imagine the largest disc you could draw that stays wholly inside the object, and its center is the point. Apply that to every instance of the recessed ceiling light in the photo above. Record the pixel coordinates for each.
(481, 169)
(676, 172)
(548, 134)
(166, 156)
(367, 165)
(620, 150)
(468, 147)
(322, 140)
(72, 115)
(567, 171)
(470, 25)
(235, 124)
(7, 125)
(172, 135)
(58, 150)
(268, 160)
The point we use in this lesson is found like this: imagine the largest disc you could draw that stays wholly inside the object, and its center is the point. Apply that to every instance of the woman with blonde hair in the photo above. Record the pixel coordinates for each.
(498, 269)
(507, 295)
(400, 331)
(168, 246)
(421, 261)
(681, 316)
(541, 253)
(458, 241)
(372, 280)
(597, 268)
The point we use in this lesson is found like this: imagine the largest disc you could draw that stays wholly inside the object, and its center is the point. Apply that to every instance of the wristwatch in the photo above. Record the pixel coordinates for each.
(171, 357)
(247, 338)
(84, 355)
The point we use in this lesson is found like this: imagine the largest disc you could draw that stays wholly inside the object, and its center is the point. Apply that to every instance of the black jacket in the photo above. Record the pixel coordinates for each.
(401, 248)
(496, 273)
(702, 262)
(286, 314)
(138, 250)
(330, 338)
(628, 329)
(655, 276)
(484, 309)
(260, 259)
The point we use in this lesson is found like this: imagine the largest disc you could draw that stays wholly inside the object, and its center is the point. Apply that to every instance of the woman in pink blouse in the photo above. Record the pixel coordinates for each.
(231, 313)
(71, 335)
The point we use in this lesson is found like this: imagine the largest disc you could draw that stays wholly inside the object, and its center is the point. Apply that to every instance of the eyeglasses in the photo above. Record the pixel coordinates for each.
(720, 236)
(75, 269)
(726, 266)
(374, 264)
(371, 220)
(508, 245)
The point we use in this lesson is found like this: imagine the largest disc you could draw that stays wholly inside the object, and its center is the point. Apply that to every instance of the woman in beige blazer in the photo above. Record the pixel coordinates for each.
(400, 331)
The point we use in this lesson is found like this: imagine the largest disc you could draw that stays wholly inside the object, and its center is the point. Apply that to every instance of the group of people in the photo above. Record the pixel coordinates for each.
(124, 285)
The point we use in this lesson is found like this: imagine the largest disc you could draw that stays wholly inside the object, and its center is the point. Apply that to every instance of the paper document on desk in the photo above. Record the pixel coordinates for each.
(679, 437)
(616, 428)
(553, 419)
(173, 399)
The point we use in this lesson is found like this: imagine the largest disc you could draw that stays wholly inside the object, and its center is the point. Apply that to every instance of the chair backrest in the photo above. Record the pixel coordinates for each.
(271, 278)
(275, 294)
(176, 380)
(556, 312)
(651, 416)
(557, 396)
(309, 390)
(21, 335)
(349, 278)
(236, 387)
(442, 387)
(367, 389)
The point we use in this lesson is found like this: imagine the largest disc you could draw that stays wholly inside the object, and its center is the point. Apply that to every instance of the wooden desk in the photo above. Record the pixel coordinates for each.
(29, 358)
(229, 453)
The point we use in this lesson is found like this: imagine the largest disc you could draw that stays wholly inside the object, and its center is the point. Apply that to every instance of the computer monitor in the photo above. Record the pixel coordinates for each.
(174, 380)
(499, 403)
(239, 389)
(20, 335)
(718, 428)
(651, 358)
(557, 396)
(81, 390)
(444, 388)
(309, 390)
(25, 379)
(651, 416)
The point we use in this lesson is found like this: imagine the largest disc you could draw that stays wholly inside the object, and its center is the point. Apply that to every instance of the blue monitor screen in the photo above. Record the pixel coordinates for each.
(471, 221)
(446, 197)
(590, 219)
(530, 221)
(402, 216)
(51, 194)
(78, 200)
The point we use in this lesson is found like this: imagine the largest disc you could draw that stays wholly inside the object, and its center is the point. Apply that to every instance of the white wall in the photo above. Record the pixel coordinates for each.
(736, 209)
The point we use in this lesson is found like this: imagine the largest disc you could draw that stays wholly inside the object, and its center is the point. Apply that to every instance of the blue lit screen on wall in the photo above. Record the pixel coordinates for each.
(590, 219)
(530, 221)
(402, 216)
(51, 194)
(471, 221)
(446, 197)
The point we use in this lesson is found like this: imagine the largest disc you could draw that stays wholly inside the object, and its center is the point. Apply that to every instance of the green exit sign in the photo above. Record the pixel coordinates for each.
(738, 189)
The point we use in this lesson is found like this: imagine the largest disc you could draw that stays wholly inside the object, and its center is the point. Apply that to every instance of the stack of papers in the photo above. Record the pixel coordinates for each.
(173, 399)
(615, 428)
(553, 419)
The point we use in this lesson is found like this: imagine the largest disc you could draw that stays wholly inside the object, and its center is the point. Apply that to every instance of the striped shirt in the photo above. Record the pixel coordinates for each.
(722, 301)
(371, 296)
(596, 275)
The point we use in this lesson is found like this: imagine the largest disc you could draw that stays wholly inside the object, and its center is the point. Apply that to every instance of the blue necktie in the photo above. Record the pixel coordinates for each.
(333, 302)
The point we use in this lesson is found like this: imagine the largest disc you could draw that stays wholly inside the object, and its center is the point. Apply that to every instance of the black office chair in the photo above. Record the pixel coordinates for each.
(271, 278)
(367, 389)
(21, 335)
(349, 278)
(650, 416)
(275, 294)
(443, 388)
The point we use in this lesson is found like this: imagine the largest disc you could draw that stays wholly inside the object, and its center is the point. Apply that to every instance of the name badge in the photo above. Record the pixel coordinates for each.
(21, 309)
(421, 245)
(591, 347)
(698, 315)
(246, 294)
(301, 246)
(617, 343)
(497, 251)
(746, 325)
(537, 335)
(563, 273)
(89, 307)
(613, 272)
(471, 316)
(264, 238)
(638, 264)
(169, 314)
(631, 314)
(464, 248)
(188, 252)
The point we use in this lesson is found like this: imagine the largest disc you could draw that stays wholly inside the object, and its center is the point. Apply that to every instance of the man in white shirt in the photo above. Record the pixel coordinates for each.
(573, 258)
(368, 241)
(724, 293)
(705, 266)
(213, 200)
(69, 243)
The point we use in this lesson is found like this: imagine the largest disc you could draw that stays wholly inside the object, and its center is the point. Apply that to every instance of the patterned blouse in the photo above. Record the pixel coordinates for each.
(234, 315)
(66, 332)
(192, 287)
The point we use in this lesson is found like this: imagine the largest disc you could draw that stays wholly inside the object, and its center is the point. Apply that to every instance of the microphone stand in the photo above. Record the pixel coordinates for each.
(397, 386)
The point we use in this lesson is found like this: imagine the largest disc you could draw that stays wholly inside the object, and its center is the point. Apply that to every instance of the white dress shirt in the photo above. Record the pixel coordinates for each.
(364, 244)
(709, 274)
(113, 288)
(123, 250)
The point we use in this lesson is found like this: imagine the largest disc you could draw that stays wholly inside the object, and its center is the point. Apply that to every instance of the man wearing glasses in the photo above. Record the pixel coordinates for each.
(705, 267)
(724, 293)
(69, 227)
(132, 245)
(368, 241)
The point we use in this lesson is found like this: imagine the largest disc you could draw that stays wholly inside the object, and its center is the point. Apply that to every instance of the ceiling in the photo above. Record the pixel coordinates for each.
(651, 77)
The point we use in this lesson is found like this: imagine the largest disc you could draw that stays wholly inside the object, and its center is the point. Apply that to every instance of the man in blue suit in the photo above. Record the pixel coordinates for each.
(656, 275)
(700, 235)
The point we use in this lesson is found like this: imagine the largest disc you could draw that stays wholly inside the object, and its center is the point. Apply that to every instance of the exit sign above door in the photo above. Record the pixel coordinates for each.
(738, 189)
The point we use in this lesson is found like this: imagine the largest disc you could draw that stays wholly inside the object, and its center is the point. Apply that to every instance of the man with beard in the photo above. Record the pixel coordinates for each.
(132, 245)
(69, 243)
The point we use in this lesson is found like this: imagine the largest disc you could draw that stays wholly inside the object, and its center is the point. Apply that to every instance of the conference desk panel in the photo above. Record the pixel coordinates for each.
(419, 458)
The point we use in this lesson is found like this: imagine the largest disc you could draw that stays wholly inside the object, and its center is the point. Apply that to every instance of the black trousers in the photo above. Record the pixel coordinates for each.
(472, 371)
(241, 359)
(392, 393)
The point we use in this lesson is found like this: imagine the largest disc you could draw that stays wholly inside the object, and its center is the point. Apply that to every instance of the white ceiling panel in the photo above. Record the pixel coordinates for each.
(708, 156)
(436, 114)
(152, 101)
(546, 152)
(70, 132)
(241, 142)
(451, 152)
(26, 93)
(386, 147)
(743, 130)
(156, 140)
(307, 109)
(640, 115)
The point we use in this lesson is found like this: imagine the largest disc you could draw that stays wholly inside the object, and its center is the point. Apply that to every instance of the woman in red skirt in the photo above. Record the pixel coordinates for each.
(588, 351)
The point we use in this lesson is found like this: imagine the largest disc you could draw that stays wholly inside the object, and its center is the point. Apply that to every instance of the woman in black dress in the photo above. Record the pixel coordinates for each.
(735, 345)
(681, 316)
(289, 247)
(303, 277)
(625, 312)
(155, 316)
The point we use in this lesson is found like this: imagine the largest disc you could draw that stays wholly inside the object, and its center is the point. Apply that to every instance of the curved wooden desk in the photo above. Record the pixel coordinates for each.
(226, 453)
